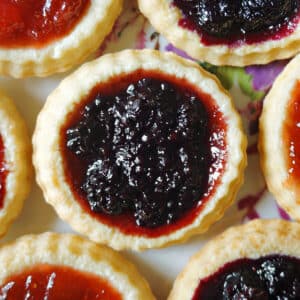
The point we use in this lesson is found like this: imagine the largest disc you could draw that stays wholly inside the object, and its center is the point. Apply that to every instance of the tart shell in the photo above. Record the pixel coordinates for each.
(253, 240)
(165, 17)
(17, 156)
(61, 54)
(273, 163)
(77, 253)
(49, 165)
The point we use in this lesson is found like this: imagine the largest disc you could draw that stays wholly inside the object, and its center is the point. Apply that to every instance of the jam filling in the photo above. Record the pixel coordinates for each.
(3, 173)
(38, 22)
(267, 278)
(144, 150)
(238, 22)
(57, 283)
(291, 134)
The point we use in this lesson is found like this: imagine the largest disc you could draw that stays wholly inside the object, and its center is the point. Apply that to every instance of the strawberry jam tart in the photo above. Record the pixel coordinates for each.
(228, 32)
(40, 37)
(15, 162)
(259, 260)
(147, 151)
(56, 266)
(279, 129)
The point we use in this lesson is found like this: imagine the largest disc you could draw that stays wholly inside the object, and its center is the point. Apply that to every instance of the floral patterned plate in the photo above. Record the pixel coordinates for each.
(247, 85)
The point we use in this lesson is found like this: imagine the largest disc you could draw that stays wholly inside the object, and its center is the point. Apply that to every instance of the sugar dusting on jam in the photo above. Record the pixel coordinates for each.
(57, 283)
(37, 22)
(127, 221)
(291, 135)
(267, 278)
(3, 173)
(236, 23)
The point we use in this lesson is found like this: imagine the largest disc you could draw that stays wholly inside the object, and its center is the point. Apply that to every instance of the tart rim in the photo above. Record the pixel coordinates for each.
(165, 17)
(77, 253)
(255, 239)
(59, 55)
(270, 138)
(87, 77)
(17, 156)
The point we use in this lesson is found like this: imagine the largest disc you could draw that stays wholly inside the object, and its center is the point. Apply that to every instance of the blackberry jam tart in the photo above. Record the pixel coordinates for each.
(225, 32)
(15, 162)
(259, 260)
(147, 149)
(41, 37)
(57, 266)
(279, 129)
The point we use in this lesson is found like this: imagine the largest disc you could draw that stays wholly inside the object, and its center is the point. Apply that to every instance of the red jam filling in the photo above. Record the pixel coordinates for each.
(236, 23)
(38, 22)
(291, 134)
(57, 283)
(144, 152)
(3, 173)
(267, 278)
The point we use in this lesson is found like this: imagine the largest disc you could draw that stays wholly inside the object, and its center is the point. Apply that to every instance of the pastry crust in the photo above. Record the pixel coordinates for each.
(78, 253)
(62, 54)
(274, 163)
(17, 156)
(48, 160)
(164, 17)
(253, 240)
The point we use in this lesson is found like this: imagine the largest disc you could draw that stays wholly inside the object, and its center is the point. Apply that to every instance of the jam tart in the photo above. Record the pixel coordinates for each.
(40, 37)
(259, 260)
(227, 32)
(279, 139)
(145, 150)
(15, 162)
(63, 266)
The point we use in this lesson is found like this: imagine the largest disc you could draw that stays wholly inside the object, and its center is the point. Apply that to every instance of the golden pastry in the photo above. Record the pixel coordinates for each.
(234, 33)
(15, 162)
(145, 149)
(259, 260)
(62, 266)
(39, 37)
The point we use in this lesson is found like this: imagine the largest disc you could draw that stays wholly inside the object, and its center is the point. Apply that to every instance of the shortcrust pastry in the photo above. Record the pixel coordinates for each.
(39, 37)
(279, 139)
(227, 32)
(15, 162)
(61, 266)
(259, 260)
(146, 149)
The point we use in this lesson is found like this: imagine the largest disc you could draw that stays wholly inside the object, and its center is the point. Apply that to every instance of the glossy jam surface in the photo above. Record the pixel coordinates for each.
(291, 134)
(3, 172)
(267, 278)
(57, 283)
(147, 155)
(239, 22)
(34, 23)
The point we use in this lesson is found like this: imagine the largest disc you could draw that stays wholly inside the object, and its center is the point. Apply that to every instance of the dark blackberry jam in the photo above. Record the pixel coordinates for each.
(232, 22)
(267, 278)
(139, 150)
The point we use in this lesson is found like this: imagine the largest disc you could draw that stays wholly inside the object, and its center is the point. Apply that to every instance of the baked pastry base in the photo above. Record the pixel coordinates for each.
(273, 151)
(253, 240)
(49, 162)
(17, 156)
(62, 54)
(77, 253)
(165, 17)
